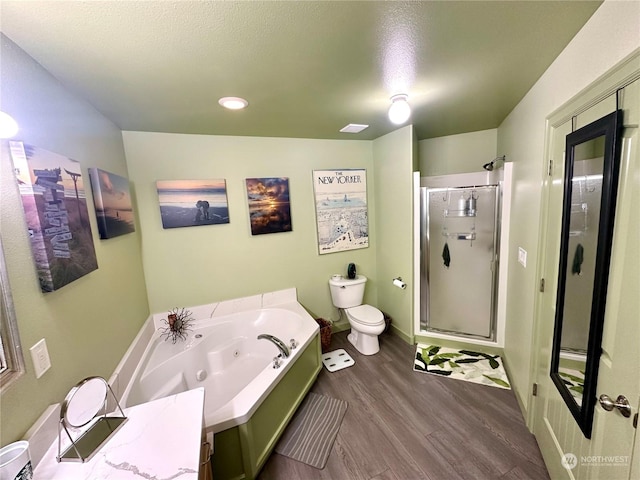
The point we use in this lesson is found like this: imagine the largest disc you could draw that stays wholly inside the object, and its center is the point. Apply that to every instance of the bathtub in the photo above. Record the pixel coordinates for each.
(248, 403)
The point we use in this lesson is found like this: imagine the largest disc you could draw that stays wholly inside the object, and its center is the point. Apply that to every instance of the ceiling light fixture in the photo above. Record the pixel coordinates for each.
(8, 126)
(233, 103)
(399, 111)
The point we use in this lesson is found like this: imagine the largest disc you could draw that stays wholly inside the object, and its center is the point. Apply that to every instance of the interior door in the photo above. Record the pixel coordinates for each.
(610, 452)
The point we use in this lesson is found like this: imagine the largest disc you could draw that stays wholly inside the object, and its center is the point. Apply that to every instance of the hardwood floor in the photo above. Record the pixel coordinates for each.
(402, 424)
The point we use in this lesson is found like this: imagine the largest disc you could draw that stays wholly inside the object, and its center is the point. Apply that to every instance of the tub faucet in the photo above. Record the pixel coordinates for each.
(284, 350)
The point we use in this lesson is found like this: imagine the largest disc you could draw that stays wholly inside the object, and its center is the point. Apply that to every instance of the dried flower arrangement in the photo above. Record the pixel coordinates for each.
(178, 323)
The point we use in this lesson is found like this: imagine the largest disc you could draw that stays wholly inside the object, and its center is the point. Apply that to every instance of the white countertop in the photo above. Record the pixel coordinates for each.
(160, 440)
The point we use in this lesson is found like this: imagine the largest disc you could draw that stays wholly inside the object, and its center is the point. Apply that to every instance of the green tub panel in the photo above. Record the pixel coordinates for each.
(226, 460)
(240, 452)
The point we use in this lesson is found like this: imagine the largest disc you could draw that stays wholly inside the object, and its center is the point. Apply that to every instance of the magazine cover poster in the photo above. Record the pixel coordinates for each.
(341, 209)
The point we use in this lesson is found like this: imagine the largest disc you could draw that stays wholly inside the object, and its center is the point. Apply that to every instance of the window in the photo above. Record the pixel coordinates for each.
(11, 360)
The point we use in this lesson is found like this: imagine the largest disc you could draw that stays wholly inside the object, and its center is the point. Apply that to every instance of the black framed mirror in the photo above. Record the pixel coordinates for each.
(589, 203)
(590, 189)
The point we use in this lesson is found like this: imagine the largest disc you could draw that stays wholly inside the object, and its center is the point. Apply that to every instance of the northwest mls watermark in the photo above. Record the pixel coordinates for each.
(570, 461)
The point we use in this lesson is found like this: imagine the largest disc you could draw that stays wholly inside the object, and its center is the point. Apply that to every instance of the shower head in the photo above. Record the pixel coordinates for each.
(489, 166)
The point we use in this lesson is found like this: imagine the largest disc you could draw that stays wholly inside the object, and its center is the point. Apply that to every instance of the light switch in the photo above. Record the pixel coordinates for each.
(522, 256)
(40, 357)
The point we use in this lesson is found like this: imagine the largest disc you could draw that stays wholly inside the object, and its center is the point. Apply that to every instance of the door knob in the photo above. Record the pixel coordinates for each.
(621, 403)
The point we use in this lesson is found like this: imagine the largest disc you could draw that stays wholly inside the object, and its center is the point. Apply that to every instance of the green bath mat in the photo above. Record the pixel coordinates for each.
(464, 365)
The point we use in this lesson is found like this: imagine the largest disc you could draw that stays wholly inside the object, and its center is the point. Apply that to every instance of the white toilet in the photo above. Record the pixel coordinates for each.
(366, 322)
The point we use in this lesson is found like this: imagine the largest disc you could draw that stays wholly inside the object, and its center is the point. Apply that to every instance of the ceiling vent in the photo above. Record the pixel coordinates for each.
(353, 128)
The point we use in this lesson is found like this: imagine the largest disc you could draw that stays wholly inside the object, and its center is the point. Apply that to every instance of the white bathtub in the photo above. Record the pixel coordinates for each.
(223, 354)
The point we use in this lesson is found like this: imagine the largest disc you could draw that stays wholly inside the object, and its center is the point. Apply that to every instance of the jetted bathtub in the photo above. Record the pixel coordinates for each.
(248, 402)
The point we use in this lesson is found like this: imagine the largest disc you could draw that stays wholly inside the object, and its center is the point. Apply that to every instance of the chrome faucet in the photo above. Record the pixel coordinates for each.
(284, 350)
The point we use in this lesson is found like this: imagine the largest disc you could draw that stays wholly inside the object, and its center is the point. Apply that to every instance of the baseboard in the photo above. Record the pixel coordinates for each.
(340, 327)
(410, 339)
(516, 391)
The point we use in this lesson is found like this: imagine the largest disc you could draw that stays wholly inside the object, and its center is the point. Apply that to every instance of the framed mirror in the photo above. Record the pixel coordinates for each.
(11, 359)
(590, 191)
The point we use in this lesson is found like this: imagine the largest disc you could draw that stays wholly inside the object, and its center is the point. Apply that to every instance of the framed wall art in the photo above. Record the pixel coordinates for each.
(341, 209)
(112, 202)
(191, 203)
(55, 207)
(269, 205)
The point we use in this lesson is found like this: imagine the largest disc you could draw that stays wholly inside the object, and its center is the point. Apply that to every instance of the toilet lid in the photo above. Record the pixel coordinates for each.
(366, 314)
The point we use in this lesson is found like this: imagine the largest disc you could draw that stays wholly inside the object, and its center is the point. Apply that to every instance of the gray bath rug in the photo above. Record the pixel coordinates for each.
(313, 429)
(464, 365)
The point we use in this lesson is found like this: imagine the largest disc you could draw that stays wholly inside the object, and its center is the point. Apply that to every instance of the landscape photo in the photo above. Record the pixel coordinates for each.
(192, 203)
(55, 206)
(269, 205)
(112, 202)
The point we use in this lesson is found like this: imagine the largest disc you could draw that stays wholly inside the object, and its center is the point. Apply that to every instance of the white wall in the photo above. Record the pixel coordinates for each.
(612, 33)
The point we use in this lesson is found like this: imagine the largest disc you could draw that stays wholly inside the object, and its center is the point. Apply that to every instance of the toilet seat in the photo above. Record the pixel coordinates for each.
(366, 315)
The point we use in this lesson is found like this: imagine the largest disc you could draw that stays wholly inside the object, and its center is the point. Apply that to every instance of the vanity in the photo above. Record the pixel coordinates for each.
(160, 439)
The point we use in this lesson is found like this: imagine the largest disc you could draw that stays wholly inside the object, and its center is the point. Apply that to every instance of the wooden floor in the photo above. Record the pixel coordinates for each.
(402, 424)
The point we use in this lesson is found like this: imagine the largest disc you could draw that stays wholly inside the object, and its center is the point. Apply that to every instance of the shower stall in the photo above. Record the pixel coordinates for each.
(459, 249)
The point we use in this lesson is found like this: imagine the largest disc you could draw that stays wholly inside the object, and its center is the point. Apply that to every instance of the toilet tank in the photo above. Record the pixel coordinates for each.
(346, 293)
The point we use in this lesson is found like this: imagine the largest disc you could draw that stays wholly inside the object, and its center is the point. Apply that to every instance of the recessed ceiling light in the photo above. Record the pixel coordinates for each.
(353, 128)
(233, 103)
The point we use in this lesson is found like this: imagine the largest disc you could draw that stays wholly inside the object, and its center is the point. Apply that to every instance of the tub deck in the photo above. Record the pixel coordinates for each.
(248, 403)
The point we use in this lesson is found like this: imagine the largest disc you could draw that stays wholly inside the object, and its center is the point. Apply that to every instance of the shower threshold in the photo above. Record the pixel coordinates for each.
(462, 335)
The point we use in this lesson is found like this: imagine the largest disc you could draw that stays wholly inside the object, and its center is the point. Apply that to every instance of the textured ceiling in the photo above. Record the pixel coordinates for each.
(307, 68)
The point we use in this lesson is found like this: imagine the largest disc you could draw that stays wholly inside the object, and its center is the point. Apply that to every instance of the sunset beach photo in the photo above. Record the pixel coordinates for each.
(191, 203)
(112, 202)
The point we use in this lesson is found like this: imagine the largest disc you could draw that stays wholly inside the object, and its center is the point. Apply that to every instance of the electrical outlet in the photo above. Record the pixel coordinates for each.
(522, 256)
(40, 357)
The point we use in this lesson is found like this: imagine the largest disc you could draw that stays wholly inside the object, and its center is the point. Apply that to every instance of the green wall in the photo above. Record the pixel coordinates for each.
(89, 323)
(196, 265)
(462, 153)
(395, 160)
(609, 36)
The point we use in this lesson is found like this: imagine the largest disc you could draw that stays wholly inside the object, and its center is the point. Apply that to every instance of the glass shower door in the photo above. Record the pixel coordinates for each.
(461, 260)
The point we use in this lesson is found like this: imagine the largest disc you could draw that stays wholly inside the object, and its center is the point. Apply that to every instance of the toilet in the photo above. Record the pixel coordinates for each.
(366, 322)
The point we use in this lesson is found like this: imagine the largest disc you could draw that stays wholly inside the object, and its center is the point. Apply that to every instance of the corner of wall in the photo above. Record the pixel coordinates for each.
(393, 157)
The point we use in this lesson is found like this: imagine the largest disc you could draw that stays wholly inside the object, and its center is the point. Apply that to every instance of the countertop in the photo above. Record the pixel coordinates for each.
(161, 439)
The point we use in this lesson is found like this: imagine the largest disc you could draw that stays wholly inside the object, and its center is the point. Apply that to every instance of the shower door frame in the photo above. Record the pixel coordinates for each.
(425, 252)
